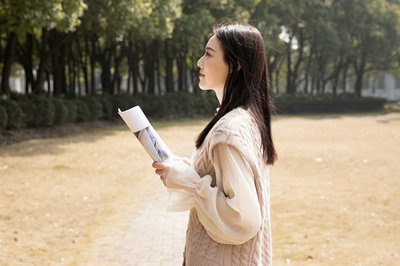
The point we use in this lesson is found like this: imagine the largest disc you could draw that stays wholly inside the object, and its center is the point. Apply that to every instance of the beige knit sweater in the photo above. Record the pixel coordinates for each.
(227, 190)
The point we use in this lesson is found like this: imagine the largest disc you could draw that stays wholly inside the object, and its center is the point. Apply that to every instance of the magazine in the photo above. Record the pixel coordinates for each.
(145, 133)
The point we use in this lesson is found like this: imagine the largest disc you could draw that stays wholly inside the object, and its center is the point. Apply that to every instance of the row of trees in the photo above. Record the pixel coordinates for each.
(156, 43)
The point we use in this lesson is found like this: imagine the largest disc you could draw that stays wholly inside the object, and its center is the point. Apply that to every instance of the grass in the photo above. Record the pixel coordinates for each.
(334, 190)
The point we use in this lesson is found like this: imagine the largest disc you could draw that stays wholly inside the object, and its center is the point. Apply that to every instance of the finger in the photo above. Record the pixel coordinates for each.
(158, 165)
(163, 179)
(160, 171)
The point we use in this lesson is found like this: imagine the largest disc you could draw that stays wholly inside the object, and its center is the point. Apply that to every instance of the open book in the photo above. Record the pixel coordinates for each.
(148, 137)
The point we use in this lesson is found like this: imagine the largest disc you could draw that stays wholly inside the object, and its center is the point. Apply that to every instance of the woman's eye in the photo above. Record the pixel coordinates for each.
(207, 54)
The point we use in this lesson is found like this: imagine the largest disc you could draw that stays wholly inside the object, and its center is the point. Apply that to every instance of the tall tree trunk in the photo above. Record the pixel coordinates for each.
(117, 63)
(169, 82)
(119, 85)
(289, 85)
(75, 77)
(150, 67)
(64, 55)
(83, 62)
(79, 84)
(135, 69)
(158, 75)
(48, 82)
(358, 85)
(92, 62)
(105, 70)
(185, 82)
(38, 87)
(29, 65)
(298, 62)
(58, 62)
(359, 69)
(8, 59)
(180, 72)
(25, 59)
(344, 77)
(193, 80)
(277, 74)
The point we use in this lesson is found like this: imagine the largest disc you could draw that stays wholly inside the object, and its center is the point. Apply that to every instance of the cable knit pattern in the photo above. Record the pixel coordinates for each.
(236, 128)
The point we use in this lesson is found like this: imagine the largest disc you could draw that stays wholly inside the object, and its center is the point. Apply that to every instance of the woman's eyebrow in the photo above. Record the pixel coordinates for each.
(209, 48)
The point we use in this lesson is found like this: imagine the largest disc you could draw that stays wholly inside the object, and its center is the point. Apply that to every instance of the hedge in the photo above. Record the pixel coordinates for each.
(35, 110)
(83, 112)
(72, 110)
(3, 118)
(14, 113)
(28, 107)
(95, 107)
(45, 110)
(327, 104)
(61, 112)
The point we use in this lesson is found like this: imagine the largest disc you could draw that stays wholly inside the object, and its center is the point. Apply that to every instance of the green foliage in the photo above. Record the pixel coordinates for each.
(30, 111)
(45, 110)
(95, 107)
(107, 107)
(72, 110)
(207, 103)
(26, 16)
(327, 104)
(3, 118)
(83, 112)
(61, 112)
(179, 104)
(14, 114)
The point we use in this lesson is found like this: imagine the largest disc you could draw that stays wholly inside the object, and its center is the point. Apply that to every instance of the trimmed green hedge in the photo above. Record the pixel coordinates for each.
(29, 109)
(83, 112)
(45, 110)
(61, 112)
(346, 103)
(32, 110)
(72, 110)
(14, 113)
(95, 107)
(3, 118)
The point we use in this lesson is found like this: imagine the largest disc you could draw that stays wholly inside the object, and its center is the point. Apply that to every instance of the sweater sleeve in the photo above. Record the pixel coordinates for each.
(229, 212)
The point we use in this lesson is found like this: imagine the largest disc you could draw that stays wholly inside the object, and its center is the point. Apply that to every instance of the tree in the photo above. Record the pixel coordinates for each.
(19, 17)
(372, 27)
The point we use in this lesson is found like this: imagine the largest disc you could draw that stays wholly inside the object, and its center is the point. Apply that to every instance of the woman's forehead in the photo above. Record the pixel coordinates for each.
(213, 43)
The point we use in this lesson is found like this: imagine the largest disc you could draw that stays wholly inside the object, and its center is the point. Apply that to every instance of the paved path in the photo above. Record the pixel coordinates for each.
(149, 236)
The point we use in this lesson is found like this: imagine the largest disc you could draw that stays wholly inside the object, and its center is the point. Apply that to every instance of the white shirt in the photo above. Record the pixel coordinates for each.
(230, 211)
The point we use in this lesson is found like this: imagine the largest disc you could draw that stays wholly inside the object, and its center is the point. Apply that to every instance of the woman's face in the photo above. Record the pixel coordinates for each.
(213, 69)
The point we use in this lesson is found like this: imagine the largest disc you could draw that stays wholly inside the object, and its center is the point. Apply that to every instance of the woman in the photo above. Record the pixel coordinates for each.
(226, 188)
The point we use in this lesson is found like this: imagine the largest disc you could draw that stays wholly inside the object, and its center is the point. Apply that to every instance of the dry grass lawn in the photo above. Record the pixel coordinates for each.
(335, 190)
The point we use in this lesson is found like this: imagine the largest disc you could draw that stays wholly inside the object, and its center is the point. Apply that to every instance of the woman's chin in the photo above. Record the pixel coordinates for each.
(204, 88)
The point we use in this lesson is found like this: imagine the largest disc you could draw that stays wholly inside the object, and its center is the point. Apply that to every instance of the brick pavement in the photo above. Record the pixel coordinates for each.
(148, 236)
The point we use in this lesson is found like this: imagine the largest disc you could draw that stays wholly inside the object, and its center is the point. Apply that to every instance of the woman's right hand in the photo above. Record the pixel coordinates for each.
(163, 168)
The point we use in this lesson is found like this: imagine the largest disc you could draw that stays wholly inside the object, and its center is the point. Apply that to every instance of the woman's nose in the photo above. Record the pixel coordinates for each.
(199, 62)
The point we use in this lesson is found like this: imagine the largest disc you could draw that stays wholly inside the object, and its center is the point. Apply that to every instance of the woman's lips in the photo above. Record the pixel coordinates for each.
(201, 75)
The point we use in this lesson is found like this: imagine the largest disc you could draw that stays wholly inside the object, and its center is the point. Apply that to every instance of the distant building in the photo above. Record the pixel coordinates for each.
(384, 85)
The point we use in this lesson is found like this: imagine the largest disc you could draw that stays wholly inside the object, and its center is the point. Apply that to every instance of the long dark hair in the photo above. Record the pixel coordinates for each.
(247, 81)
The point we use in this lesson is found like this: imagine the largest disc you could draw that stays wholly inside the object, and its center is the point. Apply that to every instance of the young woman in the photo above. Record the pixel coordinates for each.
(226, 187)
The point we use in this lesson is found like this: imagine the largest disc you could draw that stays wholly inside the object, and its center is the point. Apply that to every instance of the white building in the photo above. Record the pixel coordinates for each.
(384, 85)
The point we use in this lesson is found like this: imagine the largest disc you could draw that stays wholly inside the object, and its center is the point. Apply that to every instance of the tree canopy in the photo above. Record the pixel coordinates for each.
(92, 46)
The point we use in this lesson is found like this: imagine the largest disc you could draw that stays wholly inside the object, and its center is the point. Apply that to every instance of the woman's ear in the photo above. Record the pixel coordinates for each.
(239, 66)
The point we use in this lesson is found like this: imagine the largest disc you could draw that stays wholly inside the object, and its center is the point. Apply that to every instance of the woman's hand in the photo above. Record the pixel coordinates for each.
(163, 168)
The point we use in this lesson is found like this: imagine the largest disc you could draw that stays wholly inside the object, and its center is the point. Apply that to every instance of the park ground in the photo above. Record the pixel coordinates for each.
(92, 198)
